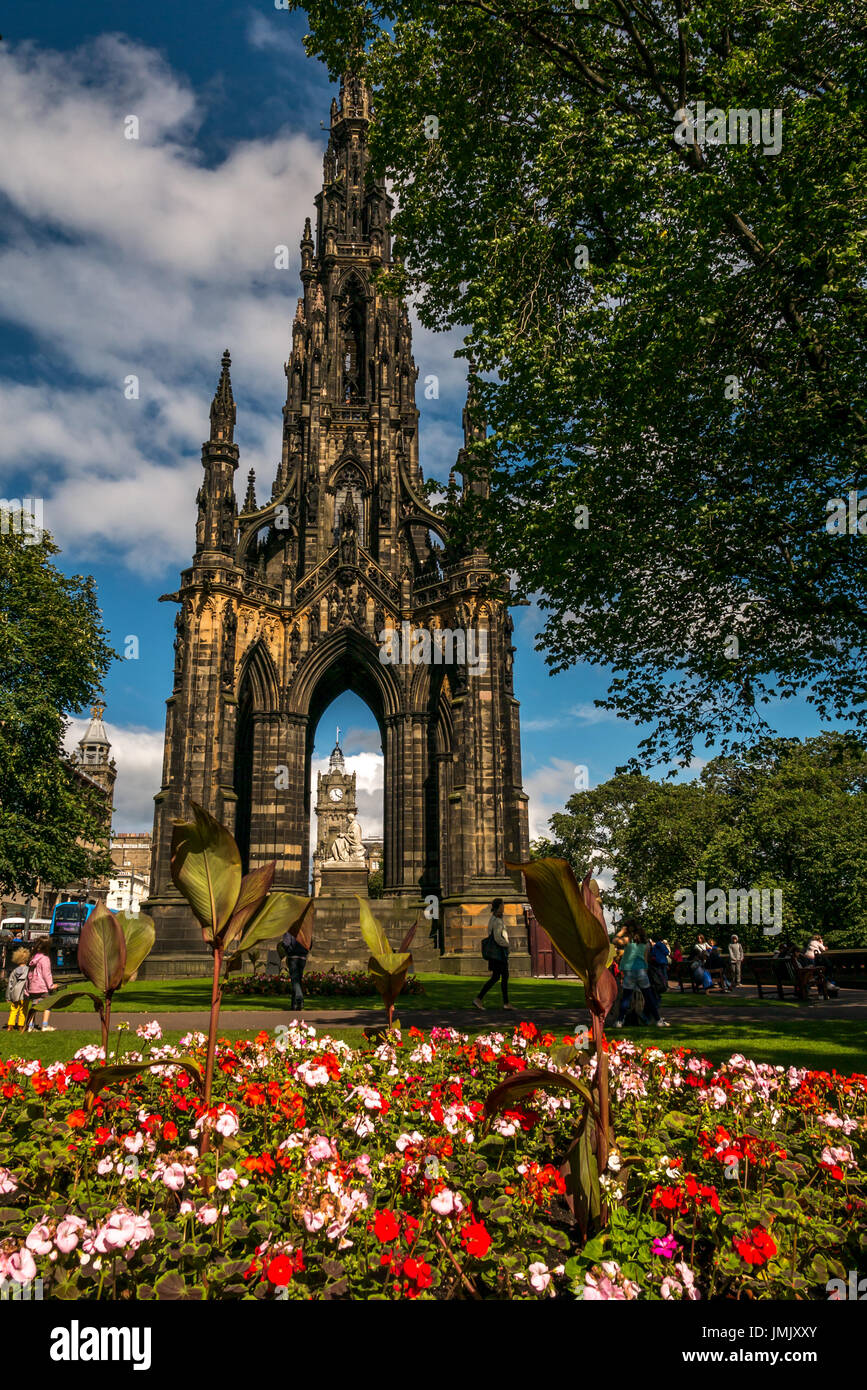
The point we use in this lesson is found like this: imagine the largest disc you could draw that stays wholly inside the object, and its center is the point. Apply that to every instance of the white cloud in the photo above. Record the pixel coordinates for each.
(549, 788)
(133, 257)
(586, 713)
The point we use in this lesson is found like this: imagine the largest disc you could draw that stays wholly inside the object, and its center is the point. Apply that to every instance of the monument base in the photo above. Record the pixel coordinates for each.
(342, 880)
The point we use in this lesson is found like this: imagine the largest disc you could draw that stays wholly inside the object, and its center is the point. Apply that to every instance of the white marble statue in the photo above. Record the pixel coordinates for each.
(347, 847)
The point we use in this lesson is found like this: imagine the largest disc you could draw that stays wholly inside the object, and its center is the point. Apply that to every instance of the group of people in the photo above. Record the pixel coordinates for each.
(706, 960)
(28, 983)
(642, 967)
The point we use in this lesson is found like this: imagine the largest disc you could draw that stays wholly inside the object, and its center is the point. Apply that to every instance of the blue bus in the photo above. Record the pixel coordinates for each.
(67, 919)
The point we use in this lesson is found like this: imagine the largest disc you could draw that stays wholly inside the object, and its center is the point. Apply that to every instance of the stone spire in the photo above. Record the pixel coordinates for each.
(223, 406)
(250, 498)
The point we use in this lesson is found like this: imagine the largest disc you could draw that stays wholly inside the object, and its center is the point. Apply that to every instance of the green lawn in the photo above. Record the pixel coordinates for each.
(811, 1043)
(441, 992)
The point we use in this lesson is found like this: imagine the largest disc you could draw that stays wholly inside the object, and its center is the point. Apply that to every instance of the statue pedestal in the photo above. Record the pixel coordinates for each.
(342, 880)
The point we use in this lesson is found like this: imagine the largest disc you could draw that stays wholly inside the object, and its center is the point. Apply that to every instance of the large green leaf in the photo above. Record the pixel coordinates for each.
(255, 888)
(139, 933)
(581, 1175)
(64, 1001)
(102, 950)
(578, 931)
(541, 1079)
(121, 1071)
(206, 868)
(281, 912)
(388, 968)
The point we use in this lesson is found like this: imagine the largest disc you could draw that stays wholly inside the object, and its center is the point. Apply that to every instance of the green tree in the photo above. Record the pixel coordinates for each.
(787, 815)
(53, 658)
(671, 333)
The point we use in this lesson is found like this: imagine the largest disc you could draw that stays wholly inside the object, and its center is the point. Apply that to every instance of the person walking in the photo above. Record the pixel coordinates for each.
(295, 955)
(736, 959)
(40, 983)
(633, 963)
(16, 989)
(657, 966)
(495, 948)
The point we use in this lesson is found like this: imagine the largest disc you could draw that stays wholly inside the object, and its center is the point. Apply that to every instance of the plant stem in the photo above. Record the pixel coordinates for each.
(212, 1042)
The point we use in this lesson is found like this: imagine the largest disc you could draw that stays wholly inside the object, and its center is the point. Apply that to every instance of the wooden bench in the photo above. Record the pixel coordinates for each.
(680, 972)
(786, 972)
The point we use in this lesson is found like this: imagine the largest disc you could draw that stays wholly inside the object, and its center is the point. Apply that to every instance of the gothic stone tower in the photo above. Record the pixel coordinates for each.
(283, 606)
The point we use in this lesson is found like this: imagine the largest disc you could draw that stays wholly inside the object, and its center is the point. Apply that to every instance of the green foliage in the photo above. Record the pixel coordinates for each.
(610, 387)
(788, 815)
(388, 968)
(236, 911)
(375, 884)
(110, 951)
(416, 1175)
(53, 657)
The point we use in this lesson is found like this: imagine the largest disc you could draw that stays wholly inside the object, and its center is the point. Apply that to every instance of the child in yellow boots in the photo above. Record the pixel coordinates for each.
(16, 988)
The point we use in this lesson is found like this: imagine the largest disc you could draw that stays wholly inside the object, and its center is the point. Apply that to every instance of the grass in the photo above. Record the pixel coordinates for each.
(819, 1044)
(153, 997)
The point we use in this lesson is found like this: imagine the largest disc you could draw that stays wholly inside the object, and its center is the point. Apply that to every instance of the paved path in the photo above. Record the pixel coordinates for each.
(851, 1006)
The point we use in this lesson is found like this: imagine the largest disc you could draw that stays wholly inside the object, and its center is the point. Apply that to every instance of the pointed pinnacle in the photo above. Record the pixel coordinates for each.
(250, 499)
(223, 404)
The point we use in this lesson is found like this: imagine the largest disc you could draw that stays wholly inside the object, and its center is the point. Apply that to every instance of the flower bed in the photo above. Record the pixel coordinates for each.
(340, 1172)
(321, 983)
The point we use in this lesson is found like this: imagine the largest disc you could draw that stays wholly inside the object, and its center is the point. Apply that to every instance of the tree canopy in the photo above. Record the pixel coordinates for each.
(53, 659)
(789, 816)
(670, 333)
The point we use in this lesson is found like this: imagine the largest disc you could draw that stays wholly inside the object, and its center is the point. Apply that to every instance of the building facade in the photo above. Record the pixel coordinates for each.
(340, 577)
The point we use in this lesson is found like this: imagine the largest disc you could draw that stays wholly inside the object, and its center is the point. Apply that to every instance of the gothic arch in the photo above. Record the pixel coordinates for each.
(259, 673)
(345, 660)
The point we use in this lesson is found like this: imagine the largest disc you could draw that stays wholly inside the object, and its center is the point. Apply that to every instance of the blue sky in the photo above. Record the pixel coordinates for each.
(148, 257)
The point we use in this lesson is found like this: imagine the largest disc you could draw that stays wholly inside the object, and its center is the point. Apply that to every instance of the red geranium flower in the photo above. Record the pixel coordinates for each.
(385, 1226)
(757, 1248)
(475, 1239)
(417, 1276)
(280, 1270)
(170, 1130)
(77, 1119)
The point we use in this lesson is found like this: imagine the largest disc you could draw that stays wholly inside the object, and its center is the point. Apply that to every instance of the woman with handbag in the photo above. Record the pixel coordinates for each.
(495, 949)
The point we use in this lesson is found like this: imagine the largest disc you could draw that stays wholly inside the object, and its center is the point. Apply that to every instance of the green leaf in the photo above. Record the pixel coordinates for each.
(121, 1071)
(514, 1087)
(139, 933)
(388, 968)
(63, 1001)
(280, 913)
(561, 907)
(255, 888)
(206, 869)
(102, 950)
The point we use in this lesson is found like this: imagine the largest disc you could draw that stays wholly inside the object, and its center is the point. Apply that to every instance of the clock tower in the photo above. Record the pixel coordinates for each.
(336, 807)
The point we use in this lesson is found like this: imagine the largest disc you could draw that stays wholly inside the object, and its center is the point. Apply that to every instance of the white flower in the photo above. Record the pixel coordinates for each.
(539, 1277)
(443, 1203)
(226, 1122)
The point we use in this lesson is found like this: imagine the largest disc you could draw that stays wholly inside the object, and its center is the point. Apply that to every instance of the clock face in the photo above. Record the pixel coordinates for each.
(336, 794)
